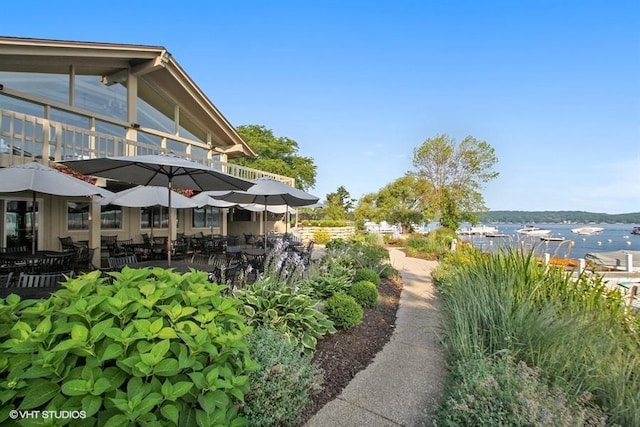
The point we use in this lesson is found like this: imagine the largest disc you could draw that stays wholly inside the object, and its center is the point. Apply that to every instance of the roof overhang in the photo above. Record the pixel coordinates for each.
(162, 75)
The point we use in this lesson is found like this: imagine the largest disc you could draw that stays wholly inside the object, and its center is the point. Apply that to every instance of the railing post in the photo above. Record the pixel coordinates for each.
(632, 294)
(582, 265)
(629, 263)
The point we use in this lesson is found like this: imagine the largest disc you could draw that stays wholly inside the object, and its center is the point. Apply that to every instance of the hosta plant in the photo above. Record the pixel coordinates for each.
(154, 347)
(280, 308)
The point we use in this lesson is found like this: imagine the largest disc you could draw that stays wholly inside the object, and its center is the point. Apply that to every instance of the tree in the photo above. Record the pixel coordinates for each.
(338, 204)
(457, 173)
(402, 201)
(277, 155)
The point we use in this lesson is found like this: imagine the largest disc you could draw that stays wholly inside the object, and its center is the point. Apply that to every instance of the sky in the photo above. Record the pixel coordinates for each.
(552, 85)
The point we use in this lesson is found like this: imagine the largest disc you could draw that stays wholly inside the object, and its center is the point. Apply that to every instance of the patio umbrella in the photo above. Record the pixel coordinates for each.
(163, 170)
(268, 191)
(145, 196)
(206, 198)
(39, 178)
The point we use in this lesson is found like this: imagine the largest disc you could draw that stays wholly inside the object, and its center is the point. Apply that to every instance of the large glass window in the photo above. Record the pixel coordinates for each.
(111, 217)
(93, 95)
(19, 215)
(154, 217)
(48, 86)
(77, 216)
(206, 217)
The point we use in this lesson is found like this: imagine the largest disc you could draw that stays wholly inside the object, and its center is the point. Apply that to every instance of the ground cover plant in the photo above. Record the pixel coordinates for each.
(576, 334)
(284, 382)
(432, 246)
(152, 347)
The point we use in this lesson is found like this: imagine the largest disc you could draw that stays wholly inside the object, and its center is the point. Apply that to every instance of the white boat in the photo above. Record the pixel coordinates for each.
(587, 231)
(479, 230)
(531, 231)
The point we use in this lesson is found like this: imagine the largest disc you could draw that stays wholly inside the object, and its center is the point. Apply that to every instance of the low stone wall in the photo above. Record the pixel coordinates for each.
(306, 232)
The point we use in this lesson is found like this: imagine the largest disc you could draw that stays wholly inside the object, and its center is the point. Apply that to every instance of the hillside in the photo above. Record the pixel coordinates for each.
(521, 217)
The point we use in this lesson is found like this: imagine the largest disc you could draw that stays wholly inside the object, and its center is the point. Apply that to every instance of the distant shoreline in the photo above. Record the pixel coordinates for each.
(558, 217)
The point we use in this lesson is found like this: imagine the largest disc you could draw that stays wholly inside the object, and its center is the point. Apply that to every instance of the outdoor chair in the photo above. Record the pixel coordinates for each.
(306, 252)
(84, 259)
(200, 259)
(225, 270)
(15, 249)
(67, 243)
(116, 263)
(57, 263)
(256, 262)
(36, 285)
(5, 279)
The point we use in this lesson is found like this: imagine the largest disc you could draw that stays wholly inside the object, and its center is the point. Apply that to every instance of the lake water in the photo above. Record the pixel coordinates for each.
(614, 237)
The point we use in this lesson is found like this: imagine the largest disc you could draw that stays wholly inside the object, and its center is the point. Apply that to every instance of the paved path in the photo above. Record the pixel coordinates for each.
(406, 379)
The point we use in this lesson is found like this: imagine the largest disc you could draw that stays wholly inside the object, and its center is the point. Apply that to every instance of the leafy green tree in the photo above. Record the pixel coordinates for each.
(457, 173)
(277, 155)
(402, 201)
(338, 204)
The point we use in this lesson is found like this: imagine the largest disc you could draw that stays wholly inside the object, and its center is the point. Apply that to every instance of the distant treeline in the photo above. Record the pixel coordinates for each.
(522, 217)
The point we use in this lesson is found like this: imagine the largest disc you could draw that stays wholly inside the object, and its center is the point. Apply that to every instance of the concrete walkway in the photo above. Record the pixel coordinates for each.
(406, 379)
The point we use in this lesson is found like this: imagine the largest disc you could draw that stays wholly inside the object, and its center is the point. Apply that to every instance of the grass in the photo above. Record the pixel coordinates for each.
(577, 333)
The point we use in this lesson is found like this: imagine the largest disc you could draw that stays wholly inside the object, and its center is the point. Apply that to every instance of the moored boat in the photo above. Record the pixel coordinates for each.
(587, 231)
(531, 231)
(480, 230)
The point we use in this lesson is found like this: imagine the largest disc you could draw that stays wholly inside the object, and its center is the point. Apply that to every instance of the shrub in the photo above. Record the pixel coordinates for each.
(343, 310)
(336, 244)
(365, 293)
(499, 391)
(154, 347)
(321, 236)
(368, 275)
(324, 223)
(324, 286)
(284, 382)
(282, 309)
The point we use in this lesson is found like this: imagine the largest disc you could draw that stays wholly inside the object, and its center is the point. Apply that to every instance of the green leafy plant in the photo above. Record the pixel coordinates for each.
(153, 347)
(281, 308)
(365, 293)
(368, 275)
(321, 236)
(501, 391)
(283, 383)
(324, 286)
(343, 310)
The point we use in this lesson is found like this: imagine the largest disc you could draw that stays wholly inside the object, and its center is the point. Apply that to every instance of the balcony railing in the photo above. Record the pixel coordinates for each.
(24, 138)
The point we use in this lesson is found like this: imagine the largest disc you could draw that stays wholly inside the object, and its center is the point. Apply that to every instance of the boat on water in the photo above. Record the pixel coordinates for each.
(636, 230)
(552, 238)
(478, 230)
(531, 231)
(587, 231)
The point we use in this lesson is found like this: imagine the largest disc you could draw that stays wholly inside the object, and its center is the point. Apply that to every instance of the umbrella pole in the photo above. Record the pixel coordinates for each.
(33, 223)
(286, 220)
(265, 226)
(170, 228)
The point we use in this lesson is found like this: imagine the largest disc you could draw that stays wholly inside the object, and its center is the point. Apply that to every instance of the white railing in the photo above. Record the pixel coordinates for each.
(24, 138)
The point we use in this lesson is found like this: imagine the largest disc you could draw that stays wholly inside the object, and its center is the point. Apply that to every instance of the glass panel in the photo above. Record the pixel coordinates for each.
(160, 216)
(92, 95)
(77, 216)
(24, 107)
(48, 86)
(206, 217)
(111, 217)
(18, 217)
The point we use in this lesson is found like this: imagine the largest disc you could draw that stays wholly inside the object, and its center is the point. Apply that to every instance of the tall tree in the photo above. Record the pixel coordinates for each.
(402, 201)
(457, 173)
(277, 155)
(338, 204)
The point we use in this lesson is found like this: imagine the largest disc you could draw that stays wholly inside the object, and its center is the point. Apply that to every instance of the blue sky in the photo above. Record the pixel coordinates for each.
(553, 86)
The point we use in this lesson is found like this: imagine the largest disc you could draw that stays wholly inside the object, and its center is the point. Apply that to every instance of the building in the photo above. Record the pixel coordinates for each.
(62, 100)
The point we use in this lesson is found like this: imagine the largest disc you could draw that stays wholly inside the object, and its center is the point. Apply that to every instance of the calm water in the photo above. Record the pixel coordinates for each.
(614, 237)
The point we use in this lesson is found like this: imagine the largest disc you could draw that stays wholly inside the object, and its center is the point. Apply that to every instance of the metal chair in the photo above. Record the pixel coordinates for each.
(117, 262)
(67, 243)
(84, 259)
(5, 279)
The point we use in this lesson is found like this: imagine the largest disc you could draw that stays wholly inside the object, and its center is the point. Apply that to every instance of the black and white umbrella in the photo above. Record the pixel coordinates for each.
(38, 178)
(161, 170)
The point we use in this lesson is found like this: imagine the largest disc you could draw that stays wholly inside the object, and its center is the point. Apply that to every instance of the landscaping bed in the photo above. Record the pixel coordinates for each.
(342, 355)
